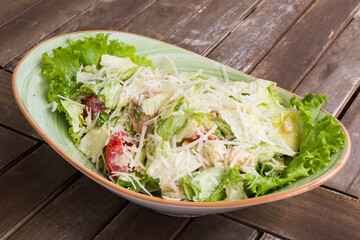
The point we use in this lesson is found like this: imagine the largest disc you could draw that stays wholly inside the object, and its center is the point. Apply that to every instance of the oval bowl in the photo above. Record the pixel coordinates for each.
(30, 91)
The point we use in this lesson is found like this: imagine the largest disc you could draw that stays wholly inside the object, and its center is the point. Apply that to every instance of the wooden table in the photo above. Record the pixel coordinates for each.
(303, 45)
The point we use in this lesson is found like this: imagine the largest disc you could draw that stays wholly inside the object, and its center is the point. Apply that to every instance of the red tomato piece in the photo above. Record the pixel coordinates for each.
(92, 103)
(196, 137)
(116, 147)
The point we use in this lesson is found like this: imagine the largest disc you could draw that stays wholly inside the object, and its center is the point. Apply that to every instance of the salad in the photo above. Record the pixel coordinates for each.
(181, 136)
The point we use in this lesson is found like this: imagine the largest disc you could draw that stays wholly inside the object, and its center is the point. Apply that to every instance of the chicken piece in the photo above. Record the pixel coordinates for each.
(214, 152)
(138, 125)
(239, 155)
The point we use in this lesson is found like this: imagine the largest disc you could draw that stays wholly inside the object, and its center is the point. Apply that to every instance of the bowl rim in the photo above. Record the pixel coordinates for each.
(109, 184)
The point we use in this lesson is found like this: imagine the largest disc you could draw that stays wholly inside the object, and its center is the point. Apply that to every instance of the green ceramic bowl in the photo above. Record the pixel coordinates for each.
(30, 91)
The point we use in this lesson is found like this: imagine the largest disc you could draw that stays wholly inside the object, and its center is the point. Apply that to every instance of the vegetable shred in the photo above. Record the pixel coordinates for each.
(184, 136)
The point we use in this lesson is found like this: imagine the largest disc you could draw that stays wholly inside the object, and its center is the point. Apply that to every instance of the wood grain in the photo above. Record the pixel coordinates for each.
(298, 51)
(348, 179)
(31, 27)
(80, 212)
(337, 74)
(104, 15)
(257, 34)
(10, 9)
(267, 236)
(162, 17)
(317, 214)
(216, 227)
(12, 118)
(28, 183)
(210, 24)
(136, 222)
(94, 18)
(12, 146)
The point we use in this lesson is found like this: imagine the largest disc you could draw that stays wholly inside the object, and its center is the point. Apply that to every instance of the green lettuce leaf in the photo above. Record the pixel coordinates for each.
(93, 143)
(214, 184)
(202, 186)
(230, 188)
(147, 182)
(73, 114)
(321, 137)
(256, 186)
(61, 68)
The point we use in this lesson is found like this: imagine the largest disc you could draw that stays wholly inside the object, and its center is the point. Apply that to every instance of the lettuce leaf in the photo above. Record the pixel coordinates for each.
(215, 184)
(230, 188)
(201, 187)
(321, 137)
(147, 182)
(93, 142)
(61, 68)
(166, 128)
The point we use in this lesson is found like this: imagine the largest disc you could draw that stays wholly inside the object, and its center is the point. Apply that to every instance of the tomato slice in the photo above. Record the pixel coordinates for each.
(116, 147)
(94, 104)
(197, 136)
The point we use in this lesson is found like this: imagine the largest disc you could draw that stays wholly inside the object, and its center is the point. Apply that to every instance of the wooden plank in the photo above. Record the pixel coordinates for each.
(30, 182)
(348, 179)
(337, 74)
(117, 12)
(105, 15)
(30, 28)
(13, 117)
(256, 35)
(12, 146)
(80, 212)
(210, 25)
(216, 227)
(10, 9)
(317, 214)
(162, 17)
(298, 51)
(267, 236)
(136, 222)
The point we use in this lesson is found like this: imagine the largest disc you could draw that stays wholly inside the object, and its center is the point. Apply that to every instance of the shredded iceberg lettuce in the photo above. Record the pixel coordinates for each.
(185, 137)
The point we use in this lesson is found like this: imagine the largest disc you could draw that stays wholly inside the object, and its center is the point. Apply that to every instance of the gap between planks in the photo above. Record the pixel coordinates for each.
(245, 15)
(242, 17)
(112, 218)
(22, 133)
(135, 14)
(347, 105)
(21, 13)
(186, 223)
(323, 50)
(341, 112)
(251, 67)
(259, 229)
(9, 63)
(6, 66)
(41, 205)
(340, 192)
(208, 51)
(19, 158)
